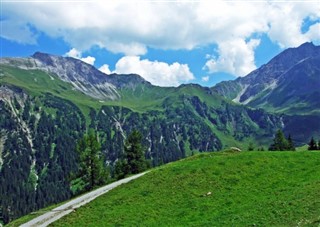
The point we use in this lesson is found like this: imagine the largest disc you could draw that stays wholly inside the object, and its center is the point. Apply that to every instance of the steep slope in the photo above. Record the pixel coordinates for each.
(220, 189)
(289, 83)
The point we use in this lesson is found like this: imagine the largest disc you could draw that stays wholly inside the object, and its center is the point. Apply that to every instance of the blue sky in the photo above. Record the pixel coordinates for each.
(166, 42)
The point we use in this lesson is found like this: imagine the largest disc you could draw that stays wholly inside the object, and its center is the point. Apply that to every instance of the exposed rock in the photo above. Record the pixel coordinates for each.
(235, 149)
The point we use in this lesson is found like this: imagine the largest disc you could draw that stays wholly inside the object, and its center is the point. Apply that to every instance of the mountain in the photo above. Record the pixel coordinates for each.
(82, 76)
(48, 102)
(289, 83)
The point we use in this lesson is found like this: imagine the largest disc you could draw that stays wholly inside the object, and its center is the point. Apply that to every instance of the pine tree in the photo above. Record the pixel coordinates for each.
(134, 154)
(312, 145)
(92, 170)
(280, 143)
(133, 160)
(250, 147)
(291, 146)
(319, 145)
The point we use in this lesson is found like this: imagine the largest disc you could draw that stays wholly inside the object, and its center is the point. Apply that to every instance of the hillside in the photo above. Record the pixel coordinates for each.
(215, 189)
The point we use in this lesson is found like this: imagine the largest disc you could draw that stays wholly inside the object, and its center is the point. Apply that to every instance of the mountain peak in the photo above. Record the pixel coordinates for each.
(86, 77)
(44, 58)
(39, 54)
(307, 45)
(289, 80)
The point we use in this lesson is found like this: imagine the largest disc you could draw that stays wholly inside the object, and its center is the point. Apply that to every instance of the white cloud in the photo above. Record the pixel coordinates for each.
(74, 53)
(90, 60)
(17, 31)
(157, 73)
(235, 57)
(285, 21)
(136, 25)
(105, 69)
(314, 32)
(205, 78)
(131, 27)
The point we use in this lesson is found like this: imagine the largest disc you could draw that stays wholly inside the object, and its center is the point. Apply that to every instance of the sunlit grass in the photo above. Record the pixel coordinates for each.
(214, 189)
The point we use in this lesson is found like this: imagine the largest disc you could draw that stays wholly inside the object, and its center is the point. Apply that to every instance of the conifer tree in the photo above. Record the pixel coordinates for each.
(312, 145)
(92, 170)
(280, 143)
(134, 159)
(134, 153)
(250, 147)
(291, 146)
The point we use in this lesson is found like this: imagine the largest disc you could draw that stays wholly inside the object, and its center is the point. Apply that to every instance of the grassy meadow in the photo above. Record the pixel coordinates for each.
(214, 189)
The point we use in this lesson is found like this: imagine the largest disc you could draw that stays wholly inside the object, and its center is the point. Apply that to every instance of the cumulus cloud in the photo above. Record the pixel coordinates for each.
(90, 60)
(105, 69)
(157, 73)
(313, 32)
(131, 27)
(205, 78)
(74, 53)
(235, 57)
(285, 22)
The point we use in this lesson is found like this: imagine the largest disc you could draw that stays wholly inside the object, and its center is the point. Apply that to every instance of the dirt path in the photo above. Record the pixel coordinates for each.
(58, 212)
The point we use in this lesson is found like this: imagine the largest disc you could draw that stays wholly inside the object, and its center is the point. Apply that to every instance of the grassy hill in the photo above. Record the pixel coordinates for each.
(214, 189)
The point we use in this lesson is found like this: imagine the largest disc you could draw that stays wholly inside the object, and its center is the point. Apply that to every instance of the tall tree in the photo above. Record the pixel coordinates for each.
(134, 159)
(312, 145)
(92, 170)
(135, 153)
(280, 143)
(291, 146)
(250, 147)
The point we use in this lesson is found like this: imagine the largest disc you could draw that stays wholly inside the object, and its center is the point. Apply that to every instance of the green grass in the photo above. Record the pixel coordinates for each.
(214, 189)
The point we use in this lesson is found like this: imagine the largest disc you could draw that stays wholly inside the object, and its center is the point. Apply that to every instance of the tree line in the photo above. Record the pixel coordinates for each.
(281, 143)
(313, 145)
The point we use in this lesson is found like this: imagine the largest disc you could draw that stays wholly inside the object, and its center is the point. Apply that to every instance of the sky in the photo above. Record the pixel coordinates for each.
(167, 42)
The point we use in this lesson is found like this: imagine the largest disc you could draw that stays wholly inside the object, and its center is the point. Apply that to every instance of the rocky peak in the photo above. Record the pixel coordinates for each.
(267, 85)
(87, 78)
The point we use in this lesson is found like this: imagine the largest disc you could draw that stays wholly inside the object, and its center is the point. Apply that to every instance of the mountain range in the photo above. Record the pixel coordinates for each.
(47, 102)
